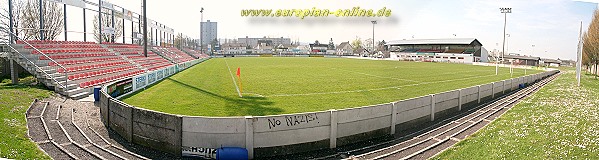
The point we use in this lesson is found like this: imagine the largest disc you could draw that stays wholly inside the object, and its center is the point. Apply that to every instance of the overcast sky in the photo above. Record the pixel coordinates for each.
(551, 25)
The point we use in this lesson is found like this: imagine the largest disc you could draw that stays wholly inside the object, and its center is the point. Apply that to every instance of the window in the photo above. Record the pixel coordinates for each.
(452, 57)
(460, 57)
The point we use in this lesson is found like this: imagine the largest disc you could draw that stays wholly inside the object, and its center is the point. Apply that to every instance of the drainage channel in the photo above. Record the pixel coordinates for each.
(54, 129)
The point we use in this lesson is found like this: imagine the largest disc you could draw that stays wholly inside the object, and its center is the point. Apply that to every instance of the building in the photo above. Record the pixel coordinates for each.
(522, 60)
(551, 62)
(318, 48)
(208, 33)
(345, 48)
(253, 42)
(234, 48)
(454, 50)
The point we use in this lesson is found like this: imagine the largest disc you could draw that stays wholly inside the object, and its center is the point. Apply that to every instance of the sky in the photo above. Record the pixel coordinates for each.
(552, 26)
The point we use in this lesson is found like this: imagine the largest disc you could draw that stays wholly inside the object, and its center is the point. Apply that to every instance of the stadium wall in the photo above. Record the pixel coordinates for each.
(265, 136)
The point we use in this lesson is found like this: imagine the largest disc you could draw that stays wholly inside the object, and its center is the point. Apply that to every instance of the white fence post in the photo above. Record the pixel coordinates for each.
(432, 107)
(249, 136)
(460, 99)
(503, 87)
(393, 117)
(493, 90)
(333, 135)
(478, 88)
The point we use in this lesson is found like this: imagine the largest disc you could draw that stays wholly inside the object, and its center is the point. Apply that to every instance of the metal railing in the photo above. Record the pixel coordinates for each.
(66, 72)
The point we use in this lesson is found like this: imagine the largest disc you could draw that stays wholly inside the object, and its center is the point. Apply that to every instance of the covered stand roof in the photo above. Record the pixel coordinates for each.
(448, 41)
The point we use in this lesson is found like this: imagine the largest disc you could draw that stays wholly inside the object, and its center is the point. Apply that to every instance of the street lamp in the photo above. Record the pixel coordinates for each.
(505, 11)
(373, 23)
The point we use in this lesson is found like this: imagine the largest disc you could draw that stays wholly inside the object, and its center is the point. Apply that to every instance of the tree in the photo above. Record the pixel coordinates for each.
(381, 45)
(331, 44)
(179, 40)
(356, 43)
(590, 41)
(30, 17)
(5, 20)
(107, 22)
(368, 44)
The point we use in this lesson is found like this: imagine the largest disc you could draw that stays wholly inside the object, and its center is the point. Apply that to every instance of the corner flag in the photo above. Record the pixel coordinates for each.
(239, 77)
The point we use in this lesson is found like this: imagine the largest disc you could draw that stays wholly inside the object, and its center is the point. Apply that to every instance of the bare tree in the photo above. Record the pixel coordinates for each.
(107, 22)
(30, 17)
(591, 44)
(5, 20)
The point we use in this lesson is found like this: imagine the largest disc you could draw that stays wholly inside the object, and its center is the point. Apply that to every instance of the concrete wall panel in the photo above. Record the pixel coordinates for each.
(213, 125)
(449, 95)
(413, 108)
(486, 90)
(289, 137)
(362, 113)
(447, 104)
(366, 125)
(213, 140)
(291, 121)
(413, 103)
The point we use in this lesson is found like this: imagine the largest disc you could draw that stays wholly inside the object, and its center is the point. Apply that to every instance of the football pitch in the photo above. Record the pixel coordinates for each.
(277, 85)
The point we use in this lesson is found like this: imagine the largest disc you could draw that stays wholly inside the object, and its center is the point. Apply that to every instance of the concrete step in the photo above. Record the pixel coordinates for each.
(79, 93)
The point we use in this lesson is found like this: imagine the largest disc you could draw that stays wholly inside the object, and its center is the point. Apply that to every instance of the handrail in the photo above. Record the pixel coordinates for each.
(36, 66)
(59, 65)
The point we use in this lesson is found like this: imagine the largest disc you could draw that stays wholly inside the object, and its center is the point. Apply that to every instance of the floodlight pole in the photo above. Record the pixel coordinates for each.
(505, 11)
(41, 3)
(145, 29)
(579, 56)
(373, 47)
(100, 21)
(201, 31)
(10, 27)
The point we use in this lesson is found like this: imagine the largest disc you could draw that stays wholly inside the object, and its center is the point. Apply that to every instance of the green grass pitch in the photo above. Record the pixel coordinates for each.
(292, 85)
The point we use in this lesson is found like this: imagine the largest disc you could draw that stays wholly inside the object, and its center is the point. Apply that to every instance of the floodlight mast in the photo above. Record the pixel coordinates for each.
(145, 29)
(201, 30)
(373, 46)
(505, 11)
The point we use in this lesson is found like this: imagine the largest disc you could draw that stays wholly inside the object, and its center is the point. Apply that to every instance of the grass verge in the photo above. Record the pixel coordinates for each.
(558, 122)
(14, 101)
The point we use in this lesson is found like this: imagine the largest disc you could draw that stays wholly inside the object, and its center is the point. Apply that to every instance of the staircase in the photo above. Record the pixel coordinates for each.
(45, 74)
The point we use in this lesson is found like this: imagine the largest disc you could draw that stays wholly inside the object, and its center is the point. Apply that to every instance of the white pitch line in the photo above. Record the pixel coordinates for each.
(376, 75)
(233, 78)
(366, 90)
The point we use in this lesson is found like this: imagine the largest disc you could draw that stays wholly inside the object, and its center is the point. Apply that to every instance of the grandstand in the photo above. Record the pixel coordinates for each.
(73, 68)
(455, 50)
(194, 53)
(173, 54)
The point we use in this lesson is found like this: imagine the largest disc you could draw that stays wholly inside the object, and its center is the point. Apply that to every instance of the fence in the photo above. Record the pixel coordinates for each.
(293, 133)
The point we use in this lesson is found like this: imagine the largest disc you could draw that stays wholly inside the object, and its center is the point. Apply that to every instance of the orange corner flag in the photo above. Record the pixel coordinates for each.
(239, 77)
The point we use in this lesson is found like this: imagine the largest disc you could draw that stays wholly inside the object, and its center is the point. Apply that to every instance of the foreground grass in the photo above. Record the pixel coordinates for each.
(291, 85)
(14, 101)
(558, 122)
